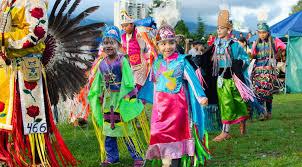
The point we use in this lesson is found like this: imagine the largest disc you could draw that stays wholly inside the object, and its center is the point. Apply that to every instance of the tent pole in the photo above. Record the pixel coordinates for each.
(286, 57)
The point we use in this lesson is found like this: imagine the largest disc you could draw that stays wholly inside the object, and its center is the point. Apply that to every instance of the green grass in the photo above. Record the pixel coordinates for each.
(277, 142)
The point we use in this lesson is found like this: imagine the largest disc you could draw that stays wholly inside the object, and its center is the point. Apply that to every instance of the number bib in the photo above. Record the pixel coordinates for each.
(32, 105)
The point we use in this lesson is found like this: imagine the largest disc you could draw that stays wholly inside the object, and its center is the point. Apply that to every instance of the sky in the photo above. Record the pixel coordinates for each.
(243, 12)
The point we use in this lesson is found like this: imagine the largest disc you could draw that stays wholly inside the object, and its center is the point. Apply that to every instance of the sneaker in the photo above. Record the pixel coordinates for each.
(108, 163)
(139, 163)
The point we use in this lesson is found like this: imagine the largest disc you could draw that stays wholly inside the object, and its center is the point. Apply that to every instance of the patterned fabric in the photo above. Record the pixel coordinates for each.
(165, 32)
(263, 74)
(111, 108)
(226, 52)
(6, 98)
(112, 74)
(34, 139)
(231, 105)
(263, 27)
(106, 95)
(132, 48)
(169, 78)
(24, 35)
(28, 28)
(136, 59)
(112, 32)
(32, 106)
(171, 135)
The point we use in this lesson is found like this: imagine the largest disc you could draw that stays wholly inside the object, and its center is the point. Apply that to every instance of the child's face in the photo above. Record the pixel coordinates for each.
(128, 28)
(222, 32)
(110, 46)
(167, 47)
(262, 35)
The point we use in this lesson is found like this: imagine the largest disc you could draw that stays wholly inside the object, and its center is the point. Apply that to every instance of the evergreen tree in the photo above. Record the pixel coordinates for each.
(297, 8)
(181, 28)
(200, 29)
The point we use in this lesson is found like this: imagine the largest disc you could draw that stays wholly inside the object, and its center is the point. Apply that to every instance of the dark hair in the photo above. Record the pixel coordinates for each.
(195, 43)
(242, 39)
(270, 42)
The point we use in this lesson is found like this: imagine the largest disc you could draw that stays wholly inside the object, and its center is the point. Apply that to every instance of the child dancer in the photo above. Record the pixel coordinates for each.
(113, 103)
(177, 122)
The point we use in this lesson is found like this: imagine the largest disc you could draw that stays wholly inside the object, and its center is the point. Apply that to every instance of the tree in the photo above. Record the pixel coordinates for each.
(200, 29)
(297, 8)
(181, 28)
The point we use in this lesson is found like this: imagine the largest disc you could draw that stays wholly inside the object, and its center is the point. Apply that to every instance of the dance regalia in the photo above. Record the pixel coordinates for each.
(114, 111)
(28, 133)
(177, 122)
(219, 64)
(212, 113)
(136, 57)
(264, 73)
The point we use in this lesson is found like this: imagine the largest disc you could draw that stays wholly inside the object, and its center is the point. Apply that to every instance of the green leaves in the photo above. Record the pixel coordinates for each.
(3, 115)
(181, 28)
(297, 8)
(38, 120)
(26, 91)
(42, 21)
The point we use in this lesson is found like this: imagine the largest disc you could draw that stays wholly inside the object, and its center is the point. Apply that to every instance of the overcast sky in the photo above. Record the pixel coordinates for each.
(243, 11)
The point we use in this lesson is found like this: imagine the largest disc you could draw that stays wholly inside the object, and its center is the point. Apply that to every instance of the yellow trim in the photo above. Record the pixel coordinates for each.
(101, 139)
(32, 148)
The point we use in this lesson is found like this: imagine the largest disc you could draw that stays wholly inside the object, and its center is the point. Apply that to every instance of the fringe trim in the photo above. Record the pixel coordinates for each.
(37, 145)
(132, 139)
(246, 93)
(101, 139)
(212, 118)
(202, 153)
(135, 140)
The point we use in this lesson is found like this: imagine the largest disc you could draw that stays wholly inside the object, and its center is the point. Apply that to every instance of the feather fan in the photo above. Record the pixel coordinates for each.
(70, 49)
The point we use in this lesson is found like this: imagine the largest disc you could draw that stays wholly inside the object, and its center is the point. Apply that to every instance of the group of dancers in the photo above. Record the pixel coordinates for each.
(181, 89)
(132, 70)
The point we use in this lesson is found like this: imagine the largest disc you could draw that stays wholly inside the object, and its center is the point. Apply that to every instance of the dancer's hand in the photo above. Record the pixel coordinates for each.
(204, 102)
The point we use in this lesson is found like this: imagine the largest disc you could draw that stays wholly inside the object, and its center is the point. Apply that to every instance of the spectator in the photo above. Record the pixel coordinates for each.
(179, 44)
(194, 48)
(211, 40)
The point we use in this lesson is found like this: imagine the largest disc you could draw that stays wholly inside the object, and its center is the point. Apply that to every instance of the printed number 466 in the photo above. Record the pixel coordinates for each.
(36, 128)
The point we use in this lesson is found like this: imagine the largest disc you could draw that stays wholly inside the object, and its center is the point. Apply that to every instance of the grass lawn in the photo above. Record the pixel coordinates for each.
(277, 142)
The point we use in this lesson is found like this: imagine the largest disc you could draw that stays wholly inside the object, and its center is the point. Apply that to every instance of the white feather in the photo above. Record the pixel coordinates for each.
(262, 15)
(168, 13)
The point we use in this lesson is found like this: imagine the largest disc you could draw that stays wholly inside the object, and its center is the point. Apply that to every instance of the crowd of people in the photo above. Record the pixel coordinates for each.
(190, 90)
(216, 84)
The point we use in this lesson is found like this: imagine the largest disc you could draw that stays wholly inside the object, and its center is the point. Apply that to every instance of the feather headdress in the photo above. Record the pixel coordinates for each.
(262, 18)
